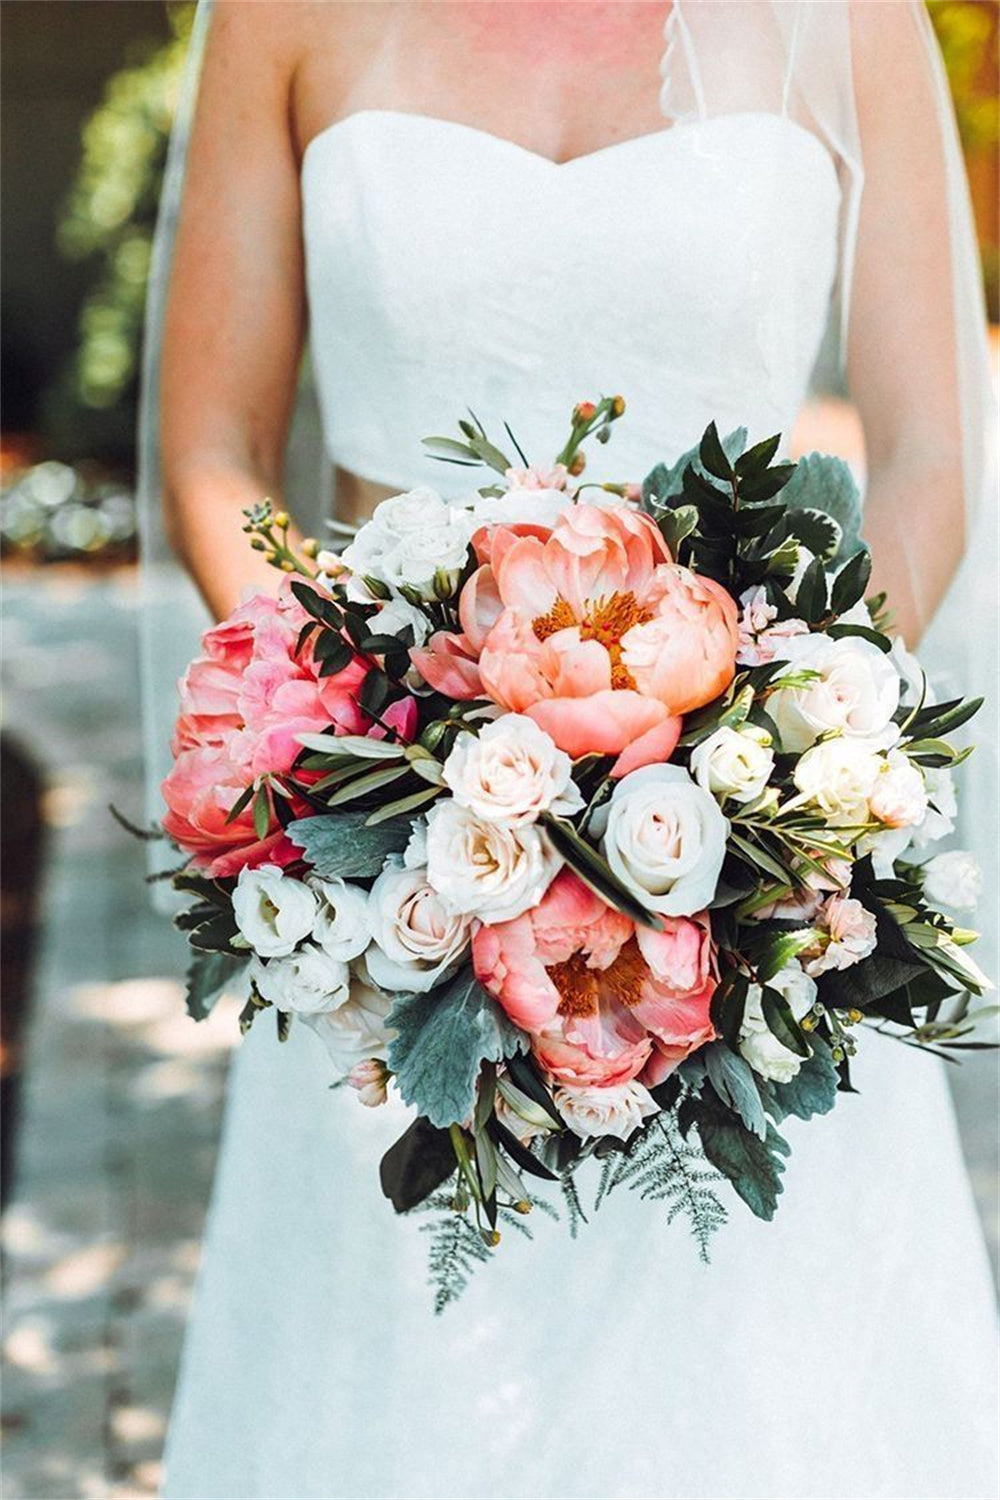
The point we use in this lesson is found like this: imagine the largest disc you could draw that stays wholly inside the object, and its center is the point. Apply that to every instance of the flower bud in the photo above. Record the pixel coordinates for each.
(258, 545)
(282, 520)
(617, 405)
(578, 465)
(310, 547)
(370, 1079)
(583, 411)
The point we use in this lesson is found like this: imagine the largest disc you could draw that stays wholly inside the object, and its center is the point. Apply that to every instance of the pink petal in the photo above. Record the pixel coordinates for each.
(655, 746)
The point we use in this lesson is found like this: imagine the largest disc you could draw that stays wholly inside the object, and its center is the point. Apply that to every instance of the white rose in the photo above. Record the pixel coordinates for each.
(942, 807)
(342, 927)
(953, 879)
(306, 982)
(838, 775)
(758, 1044)
(273, 911)
(417, 939)
(912, 678)
(415, 853)
(510, 772)
(856, 691)
(617, 1109)
(664, 837)
(484, 869)
(734, 763)
(357, 1031)
(430, 560)
(899, 797)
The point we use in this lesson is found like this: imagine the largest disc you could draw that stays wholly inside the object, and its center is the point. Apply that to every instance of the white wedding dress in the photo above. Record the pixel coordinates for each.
(848, 1349)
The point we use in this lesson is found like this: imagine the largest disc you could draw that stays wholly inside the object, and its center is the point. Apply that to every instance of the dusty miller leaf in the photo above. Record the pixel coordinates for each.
(341, 844)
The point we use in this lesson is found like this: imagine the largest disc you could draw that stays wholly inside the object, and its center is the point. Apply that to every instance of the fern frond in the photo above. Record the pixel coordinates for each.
(663, 1167)
(456, 1248)
(571, 1194)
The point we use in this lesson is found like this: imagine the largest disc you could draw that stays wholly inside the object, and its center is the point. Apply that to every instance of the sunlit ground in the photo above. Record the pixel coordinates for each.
(123, 1093)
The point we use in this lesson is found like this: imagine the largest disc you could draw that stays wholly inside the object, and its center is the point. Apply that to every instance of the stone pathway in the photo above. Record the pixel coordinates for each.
(123, 1093)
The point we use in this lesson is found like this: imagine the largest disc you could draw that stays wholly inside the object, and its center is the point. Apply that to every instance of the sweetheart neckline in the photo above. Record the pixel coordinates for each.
(682, 127)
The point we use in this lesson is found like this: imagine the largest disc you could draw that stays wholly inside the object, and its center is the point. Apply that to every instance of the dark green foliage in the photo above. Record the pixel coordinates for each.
(208, 975)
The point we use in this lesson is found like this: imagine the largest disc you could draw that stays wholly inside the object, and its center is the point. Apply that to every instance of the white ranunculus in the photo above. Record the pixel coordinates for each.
(942, 808)
(415, 853)
(306, 982)
(846, 933)
(429, 561)
(486, 869)
(664, 837)
(519, 506)
(273, 911)
(899, 797)
(510, 772)
(855, 691)
(357, 1030)
(734, 763)
(838, 775)
(953, 879)
(617, 1109)
(393, 520)
(397, 615)
(417, 940)
(758, 1044)
(342, 927)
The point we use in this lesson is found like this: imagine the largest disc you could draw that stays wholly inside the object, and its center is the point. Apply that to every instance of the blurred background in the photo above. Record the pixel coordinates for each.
(111, 1096)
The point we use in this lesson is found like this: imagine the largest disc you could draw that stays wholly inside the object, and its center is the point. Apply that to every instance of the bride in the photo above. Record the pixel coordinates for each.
(502, 203)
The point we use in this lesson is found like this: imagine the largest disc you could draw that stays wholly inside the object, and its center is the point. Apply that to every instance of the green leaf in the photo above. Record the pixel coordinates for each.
(942, 719)
(811, 599)
(416, 1165)
(732, 1079)
(765, 486)
(404, 805)
(371, 781)
(813, 1090)
(359, 745)
(676, 525)
(712, 454)
(781, 1023)
(242, 802)
(316, 604)
(442, 1038)
(333, 653)
(779, 950)
(208, 975)
(728, 1004)
(838, 632)
(345, 845)
(753, 1166)
(594, 871)
(850, 583)
(813, 528)
(823, 482)
(756, 459)
(261, 813)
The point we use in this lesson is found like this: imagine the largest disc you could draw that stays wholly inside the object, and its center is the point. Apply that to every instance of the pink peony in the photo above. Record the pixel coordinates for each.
(244, 703)
(592, 631)
(596, 993)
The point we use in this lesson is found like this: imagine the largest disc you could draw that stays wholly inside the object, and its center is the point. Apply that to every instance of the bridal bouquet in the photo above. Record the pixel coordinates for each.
(593, 819)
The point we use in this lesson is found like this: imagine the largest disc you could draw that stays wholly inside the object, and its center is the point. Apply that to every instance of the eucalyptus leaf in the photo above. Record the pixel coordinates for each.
(442, 1038)
(344, 844)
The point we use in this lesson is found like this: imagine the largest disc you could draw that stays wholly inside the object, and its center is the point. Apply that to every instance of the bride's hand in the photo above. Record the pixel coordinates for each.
(236, 311)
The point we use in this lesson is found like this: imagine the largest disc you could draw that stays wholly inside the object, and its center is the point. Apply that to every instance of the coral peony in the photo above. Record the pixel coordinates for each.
(598, 994)
(244, 703)
(593, 632)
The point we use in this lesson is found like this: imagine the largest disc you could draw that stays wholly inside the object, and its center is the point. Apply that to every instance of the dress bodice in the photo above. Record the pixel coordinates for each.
(689, 269)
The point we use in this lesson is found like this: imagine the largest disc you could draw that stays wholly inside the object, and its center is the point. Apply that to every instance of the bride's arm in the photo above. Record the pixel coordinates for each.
(235, 312)
(902, 345)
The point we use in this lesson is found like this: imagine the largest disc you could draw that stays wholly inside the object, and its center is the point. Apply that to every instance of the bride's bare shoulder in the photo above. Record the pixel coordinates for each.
(312, 50)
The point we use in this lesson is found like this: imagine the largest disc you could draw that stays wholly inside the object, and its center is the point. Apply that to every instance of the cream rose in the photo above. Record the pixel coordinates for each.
(358, 1030)
(758, 1044)
(617, 1109)
(664, 838)
(306, 982)
(734, 763)
(855, 691)
(510, 772)
(393, 519)
(953, 879)
(429, 561)
(273, 911)
(342, 927)
(899, 797)
(485, 869)
(417, 940)
(839, 775)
